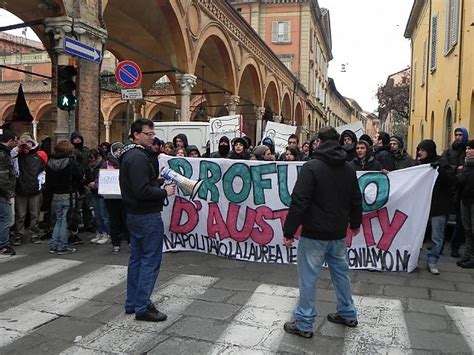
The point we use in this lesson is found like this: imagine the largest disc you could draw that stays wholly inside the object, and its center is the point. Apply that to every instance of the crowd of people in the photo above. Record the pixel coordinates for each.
(39, 183)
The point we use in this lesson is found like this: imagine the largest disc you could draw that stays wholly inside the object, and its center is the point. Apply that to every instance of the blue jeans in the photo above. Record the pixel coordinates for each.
(101, 214)
(6, 215)
(60, 206)
(311, 256)
(438, 225)
(146, 248)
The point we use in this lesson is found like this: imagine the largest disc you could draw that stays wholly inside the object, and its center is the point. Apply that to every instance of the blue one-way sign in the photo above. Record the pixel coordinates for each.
(81, 50)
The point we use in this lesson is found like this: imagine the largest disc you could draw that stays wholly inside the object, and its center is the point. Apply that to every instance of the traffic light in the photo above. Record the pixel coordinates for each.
(66, 87)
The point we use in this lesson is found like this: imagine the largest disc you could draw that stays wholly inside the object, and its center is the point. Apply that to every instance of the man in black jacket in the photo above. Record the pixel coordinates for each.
(326, 200)
(143, 199)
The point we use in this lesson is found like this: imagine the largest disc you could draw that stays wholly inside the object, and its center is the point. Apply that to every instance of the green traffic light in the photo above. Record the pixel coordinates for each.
(67, 102)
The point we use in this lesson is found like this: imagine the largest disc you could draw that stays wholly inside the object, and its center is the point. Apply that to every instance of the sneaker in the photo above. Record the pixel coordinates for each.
(66, 250)
(16, 241)
(151, 308)
(7, 250)
(468, 264)
(35, 239)
(75, 240)
(150, 316)
(336, 318)
(115, 250)
(433, 269)
(462, 261)
(290, 327)
(53, 250)
(104, 240)
(96, 238)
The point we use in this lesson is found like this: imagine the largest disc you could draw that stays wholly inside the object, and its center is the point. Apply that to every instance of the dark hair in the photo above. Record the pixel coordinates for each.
(63, 147)
(294, 152)
(7, 135)
(94, 154)
(385, 137)
(137, 126)
(328, 134)
(293, 136)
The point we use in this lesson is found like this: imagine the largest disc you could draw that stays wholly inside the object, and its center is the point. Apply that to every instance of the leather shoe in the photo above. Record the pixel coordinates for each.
(151, 307)
(150, 316)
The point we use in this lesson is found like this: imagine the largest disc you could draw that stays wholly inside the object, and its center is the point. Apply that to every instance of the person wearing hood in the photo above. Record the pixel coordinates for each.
(115, 207)
(348, 141)
(63, 177)
(465, 184)
(239, 149)
(78, 142)
(180, 141)
(327, 202)
(401, 158)
(364, 160)
(155, 150)
(7, 190)
(223, 149)
(207, 154)
(270, 144)
(441, 199)
(382, 151)
(456, 156)
(193, 152)
(143, 199)
(29, 184)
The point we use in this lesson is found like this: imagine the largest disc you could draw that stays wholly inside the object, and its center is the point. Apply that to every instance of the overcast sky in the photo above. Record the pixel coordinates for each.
(366, 34)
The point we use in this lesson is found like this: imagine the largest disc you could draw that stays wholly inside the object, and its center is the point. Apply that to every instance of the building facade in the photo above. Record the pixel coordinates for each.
(299, 32)
(339, 111)
(442, 70)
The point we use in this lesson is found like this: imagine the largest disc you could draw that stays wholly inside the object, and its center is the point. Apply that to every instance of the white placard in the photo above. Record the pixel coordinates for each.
(229, 126)
(279, 133)
(109, 185)
(355, 127)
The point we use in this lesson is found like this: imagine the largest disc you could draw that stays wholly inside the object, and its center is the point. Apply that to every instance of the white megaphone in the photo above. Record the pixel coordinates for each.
(188, 185)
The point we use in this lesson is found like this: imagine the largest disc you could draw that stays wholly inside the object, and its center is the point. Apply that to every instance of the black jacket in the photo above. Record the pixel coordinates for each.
(351, 148)
(7, 173)
(385, 157)
(370, 164)
(30, 166)
(139, 185)
(63, 175)
(326, 197)
(465, 183)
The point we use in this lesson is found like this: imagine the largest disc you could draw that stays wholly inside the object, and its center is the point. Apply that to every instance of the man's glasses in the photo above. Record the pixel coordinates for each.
(149, 134)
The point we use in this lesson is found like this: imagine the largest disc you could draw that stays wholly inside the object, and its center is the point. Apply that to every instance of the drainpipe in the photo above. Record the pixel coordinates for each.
(460, 41)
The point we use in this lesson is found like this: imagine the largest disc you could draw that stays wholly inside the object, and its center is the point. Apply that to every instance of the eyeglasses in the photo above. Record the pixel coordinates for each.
(149, 134)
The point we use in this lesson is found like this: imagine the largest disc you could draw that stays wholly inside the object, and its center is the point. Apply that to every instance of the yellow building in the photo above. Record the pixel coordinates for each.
(441, 87)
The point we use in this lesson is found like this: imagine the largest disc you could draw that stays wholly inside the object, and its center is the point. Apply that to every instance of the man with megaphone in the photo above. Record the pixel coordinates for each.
(143, 199)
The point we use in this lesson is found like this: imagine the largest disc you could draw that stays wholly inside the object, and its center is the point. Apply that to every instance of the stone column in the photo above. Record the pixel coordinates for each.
(107, 125)
(259, 112)
(35, 130)
(231, 103)
(186, 82)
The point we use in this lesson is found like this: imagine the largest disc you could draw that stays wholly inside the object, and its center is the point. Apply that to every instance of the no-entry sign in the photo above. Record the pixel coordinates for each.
(128, 74)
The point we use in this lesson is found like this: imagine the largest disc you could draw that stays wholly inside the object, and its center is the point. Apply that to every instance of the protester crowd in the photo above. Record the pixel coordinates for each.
(40, 183)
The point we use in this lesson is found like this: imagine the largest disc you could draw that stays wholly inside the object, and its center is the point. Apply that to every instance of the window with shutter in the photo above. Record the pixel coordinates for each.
(274, 31)
(434, 42)
(281, 31)
(454, 22)
(413, 87)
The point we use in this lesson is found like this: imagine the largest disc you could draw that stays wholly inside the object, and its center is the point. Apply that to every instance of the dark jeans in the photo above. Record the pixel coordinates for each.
(117, 221)
(146, 248)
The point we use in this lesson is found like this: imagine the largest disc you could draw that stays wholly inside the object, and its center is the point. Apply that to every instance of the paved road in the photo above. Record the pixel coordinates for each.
(74, 305)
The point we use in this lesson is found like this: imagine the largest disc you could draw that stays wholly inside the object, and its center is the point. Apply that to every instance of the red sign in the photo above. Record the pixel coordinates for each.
(128, 74)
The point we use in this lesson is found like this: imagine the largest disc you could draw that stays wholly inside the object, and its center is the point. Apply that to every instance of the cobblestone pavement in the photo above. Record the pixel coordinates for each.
(74, 304)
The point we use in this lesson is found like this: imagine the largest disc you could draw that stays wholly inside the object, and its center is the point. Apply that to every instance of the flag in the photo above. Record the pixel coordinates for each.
(21, 113)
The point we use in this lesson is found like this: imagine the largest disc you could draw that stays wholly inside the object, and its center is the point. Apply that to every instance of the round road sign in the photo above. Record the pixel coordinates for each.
(128, 74)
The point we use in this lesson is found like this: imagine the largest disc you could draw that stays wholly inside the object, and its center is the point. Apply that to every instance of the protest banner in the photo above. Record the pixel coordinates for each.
(279, 133)
(356, 127)
(241, 206)
(109, 186)
(229, 126)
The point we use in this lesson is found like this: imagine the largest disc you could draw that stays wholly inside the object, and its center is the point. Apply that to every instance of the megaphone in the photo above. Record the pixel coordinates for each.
(188, 185)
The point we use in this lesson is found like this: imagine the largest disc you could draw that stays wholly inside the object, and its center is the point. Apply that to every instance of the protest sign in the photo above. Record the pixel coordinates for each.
(356, 127)
(229, 126)
(241, 206)
(279, 133)
(109, 186)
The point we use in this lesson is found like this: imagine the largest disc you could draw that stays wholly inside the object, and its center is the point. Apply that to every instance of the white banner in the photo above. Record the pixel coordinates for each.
(356, 127)
(280, 133)
(241, 207)
(229, 126)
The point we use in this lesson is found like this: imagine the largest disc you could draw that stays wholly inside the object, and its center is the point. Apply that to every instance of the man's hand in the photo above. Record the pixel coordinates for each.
(170, 189)
(288, 242)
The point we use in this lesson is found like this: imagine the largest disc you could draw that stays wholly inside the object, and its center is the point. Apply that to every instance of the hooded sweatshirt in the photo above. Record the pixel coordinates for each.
(350, 149)
(368, 163)
(63, 174)
(326, 197)
(223, 149)
(183, 137)
(456, 154)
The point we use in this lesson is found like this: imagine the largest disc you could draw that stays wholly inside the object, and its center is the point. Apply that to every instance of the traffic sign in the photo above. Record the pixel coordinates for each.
(132, 94)
(128, 74)
(82, 50)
